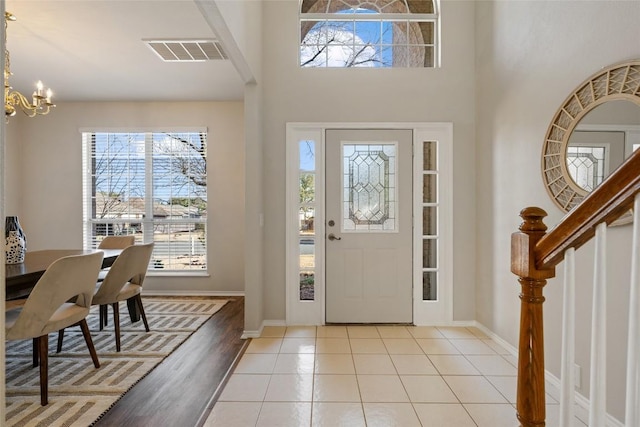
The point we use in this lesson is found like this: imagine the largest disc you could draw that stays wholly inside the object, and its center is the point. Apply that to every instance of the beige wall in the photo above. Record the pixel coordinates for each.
(506, 67)
(361, 95)
(12, 167)
(622, 112)
(44, 178)
(529, 56)
(244, 22)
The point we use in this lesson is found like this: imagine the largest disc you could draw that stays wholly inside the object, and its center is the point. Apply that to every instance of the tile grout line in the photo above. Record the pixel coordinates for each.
(413, 340)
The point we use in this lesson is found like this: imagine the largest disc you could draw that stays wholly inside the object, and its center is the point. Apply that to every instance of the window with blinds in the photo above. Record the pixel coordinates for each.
(152, 185)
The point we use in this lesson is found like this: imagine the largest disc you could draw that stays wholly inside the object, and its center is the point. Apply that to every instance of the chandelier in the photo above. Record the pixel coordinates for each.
(40, 103)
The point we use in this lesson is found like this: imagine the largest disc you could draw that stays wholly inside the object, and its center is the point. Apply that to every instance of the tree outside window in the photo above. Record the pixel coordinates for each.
(153, 186)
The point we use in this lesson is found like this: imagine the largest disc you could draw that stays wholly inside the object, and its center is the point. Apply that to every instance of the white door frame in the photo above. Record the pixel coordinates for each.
(439, 312)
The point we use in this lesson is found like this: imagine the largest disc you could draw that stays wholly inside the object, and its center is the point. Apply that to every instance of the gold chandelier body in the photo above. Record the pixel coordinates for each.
(40, 103)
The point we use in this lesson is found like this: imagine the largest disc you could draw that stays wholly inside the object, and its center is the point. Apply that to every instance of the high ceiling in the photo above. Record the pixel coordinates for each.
(93, 50)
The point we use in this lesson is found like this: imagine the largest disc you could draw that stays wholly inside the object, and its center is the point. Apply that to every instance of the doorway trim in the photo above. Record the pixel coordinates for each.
(312, 312)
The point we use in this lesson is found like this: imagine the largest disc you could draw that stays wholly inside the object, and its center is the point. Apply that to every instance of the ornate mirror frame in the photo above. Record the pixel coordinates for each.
(617, 82)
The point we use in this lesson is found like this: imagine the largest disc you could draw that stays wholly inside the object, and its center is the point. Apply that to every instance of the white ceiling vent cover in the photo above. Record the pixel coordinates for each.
(187, 50)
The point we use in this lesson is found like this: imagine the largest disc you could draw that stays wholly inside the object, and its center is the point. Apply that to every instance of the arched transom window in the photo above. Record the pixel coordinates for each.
(369, 33)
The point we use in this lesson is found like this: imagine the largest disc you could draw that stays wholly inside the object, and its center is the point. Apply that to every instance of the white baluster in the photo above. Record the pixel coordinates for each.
(598, 383)
(632, 411)
(567, 377)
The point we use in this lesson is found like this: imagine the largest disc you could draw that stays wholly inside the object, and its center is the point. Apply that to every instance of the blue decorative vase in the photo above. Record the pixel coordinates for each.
(15, 241)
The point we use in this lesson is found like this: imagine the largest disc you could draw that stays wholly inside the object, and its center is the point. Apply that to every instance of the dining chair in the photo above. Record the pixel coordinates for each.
(123, 281)
(117, 242)
(114, 242)
(49, 308)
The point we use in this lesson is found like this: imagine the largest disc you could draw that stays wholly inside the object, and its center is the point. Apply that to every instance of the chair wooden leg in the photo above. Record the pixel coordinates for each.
(43, 351)
(116, 323)
(36, 349)
(138, 300)
(103, 316)
(100, 316)
(87, 338)
(60, 338)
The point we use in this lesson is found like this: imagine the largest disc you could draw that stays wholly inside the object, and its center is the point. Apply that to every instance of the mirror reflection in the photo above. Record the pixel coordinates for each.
(601, 141)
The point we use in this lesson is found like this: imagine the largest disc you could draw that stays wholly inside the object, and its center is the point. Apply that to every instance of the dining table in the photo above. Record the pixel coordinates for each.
(21, 278)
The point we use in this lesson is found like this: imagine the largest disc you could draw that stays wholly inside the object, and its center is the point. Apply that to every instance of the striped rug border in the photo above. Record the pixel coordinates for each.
(87, 408)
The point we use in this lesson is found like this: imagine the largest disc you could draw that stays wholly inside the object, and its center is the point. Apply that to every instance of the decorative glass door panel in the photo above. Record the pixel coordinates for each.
(369, 185)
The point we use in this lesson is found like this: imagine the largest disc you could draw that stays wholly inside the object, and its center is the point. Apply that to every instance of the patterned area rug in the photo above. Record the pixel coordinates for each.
(79, 394)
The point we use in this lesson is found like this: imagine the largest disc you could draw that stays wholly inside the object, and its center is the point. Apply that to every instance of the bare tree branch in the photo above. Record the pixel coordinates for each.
(337, 43)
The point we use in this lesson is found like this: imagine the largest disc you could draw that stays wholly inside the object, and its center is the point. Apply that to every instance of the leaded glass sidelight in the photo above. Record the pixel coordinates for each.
(369, 187)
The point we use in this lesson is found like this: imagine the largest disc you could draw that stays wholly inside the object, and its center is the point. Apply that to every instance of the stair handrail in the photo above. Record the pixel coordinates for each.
(606, 203)
(535, 252)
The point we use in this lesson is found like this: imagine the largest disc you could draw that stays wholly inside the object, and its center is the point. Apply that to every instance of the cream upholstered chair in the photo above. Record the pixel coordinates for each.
(117, 242)
(122, 282)
(114, 242)
(47, 309)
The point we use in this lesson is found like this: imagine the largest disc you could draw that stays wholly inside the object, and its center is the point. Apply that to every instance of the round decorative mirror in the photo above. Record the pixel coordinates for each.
(591, 134)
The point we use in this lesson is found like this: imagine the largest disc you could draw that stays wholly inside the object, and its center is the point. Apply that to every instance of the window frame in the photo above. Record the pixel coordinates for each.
(148, 221)
(425, 311)
(410, 18)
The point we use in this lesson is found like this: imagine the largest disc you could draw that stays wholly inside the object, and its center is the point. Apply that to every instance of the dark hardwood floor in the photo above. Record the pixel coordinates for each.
(181, 390)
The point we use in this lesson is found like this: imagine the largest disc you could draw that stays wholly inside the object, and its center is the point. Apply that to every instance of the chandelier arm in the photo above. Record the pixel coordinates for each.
(17, 99)
(40, 105)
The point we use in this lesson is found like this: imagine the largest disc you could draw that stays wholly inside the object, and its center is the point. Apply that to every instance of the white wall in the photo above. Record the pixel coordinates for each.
(530, 55)
(44, 181)
(363, 95)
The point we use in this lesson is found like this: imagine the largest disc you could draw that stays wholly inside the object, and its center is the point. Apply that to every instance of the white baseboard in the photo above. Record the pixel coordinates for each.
(274, 323)
(459, 323)
(488, 332)
(256, 333)
(552, 383)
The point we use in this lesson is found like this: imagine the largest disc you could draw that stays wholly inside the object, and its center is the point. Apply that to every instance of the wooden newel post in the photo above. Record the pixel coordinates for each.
(531, 390)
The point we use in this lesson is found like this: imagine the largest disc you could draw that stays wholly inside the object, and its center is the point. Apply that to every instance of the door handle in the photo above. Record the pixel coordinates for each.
(333, 237)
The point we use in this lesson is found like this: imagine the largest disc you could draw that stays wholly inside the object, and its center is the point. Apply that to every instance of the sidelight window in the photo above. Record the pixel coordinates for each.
(307, 219)
(430, 208)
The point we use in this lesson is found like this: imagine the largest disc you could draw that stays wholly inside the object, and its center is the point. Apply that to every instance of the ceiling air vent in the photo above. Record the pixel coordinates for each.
(187, 50)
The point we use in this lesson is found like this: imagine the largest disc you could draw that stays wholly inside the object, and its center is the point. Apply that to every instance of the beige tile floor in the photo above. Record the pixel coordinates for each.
(375, 376)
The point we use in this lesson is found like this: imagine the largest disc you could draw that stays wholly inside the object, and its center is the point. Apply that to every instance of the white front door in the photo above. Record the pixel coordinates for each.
(368, 229)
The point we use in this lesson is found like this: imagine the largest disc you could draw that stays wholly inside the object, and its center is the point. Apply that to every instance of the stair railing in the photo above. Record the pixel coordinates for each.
(535, 253)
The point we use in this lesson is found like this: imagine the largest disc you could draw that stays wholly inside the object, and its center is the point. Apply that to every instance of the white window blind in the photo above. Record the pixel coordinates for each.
(151, 185)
